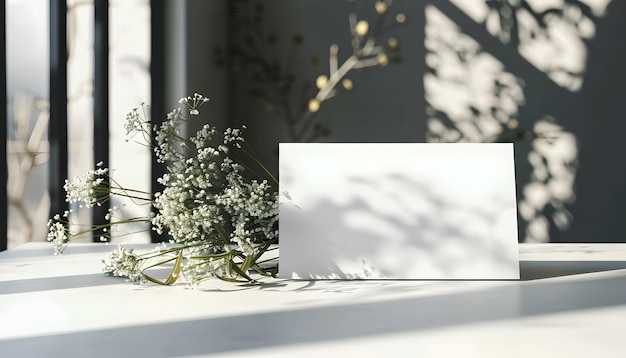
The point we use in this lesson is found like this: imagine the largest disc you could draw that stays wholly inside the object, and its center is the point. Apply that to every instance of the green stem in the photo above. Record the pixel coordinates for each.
(103, 226)
(267, 171)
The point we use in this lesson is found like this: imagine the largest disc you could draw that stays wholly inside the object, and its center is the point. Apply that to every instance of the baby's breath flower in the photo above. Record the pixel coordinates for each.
(133, 122)
(86, 188)
(123, 262)
(58, 234)
(208, 204)
(193, 103)
(136, 123)
(234, 137)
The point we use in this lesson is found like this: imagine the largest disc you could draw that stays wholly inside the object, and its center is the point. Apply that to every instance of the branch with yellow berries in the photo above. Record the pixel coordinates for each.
(365, 53)
(292, 99)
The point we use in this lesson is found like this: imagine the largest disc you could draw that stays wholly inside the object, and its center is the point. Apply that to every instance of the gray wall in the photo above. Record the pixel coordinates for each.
(389, 104)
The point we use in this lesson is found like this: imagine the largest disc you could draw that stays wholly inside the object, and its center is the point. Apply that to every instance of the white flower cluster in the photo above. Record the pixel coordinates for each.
(234, 136)
(207, 202)
(123, 262)
(194, 102)
(220, 218)
(85, 189)
(253, 210)
(167, 136)
(135, 123)
(58, 234)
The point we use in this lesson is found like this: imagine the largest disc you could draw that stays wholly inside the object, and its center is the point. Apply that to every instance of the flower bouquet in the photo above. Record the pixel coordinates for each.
(220, 219)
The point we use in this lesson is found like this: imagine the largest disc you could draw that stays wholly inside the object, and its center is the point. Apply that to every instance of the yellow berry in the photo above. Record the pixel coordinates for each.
(321, 81)
(314, 105)
(393, 43)
(362, 27)
(347, 84)
(381, 7)
(382, 58)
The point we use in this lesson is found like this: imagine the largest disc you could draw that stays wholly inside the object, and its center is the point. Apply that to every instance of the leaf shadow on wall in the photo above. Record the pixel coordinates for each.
(402, 229)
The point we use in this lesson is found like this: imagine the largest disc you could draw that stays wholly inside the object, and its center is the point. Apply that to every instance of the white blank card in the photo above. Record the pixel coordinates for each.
(397, 211)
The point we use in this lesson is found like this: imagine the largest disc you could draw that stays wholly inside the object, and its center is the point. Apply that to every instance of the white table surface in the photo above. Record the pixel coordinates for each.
(571, 302)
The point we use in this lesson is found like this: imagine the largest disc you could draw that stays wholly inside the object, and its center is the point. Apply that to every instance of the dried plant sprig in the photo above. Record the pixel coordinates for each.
(294, 100)
(366, 52)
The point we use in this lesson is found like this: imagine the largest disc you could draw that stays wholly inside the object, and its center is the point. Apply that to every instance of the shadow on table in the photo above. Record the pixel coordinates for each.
(66, 282)
(529, 270)
(333, 323)
(535, 270)
(38, 250)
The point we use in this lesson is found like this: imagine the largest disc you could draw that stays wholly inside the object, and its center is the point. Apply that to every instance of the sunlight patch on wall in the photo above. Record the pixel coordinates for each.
(27, 121)
(129, 33)
(550, 34)
(553, 157)
(478, 97)
(472, 98)
(80, 28)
